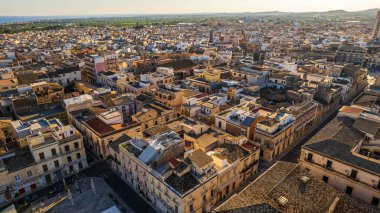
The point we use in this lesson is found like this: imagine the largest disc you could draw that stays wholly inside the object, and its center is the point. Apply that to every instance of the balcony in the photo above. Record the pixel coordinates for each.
(115, 160)
(376, 186)
(328, 167)
(346, 176)
(52, 157)
(21, 182)
(309, 159)
(352, 177)
(176, 202)
(250, 166)
(66, 152)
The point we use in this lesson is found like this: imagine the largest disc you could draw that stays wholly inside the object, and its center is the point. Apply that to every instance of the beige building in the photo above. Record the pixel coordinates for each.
(274, 133)
(152, 115)
(177, 175)
(46, 158)
(305, 115)
(172, 97)
(205, 109)
(344, 154)
(48, 93)
(287, 187)
(7, 80)
(101, 130)
(77, 103)
(18, 174)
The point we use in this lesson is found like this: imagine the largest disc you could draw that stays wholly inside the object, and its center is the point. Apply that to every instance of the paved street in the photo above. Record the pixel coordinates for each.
(131, 198)
(99, 169)
(263, 166)
(294, 154)
(83, 200)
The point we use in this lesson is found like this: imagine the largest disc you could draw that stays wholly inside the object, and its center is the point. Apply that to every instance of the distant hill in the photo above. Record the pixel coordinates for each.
(333, 13)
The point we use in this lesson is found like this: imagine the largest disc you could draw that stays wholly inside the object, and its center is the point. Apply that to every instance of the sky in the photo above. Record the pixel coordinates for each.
(98, 7)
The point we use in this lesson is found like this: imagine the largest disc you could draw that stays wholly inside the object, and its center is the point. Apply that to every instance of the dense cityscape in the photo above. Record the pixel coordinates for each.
(230, 113)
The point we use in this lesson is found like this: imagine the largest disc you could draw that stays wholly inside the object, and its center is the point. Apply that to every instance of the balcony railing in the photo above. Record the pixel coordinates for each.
(308, 159)
(115, 160)
(352, 177)
(356, 179)
(21, 182)
(50, 158)
(250, 166)
(66, 152)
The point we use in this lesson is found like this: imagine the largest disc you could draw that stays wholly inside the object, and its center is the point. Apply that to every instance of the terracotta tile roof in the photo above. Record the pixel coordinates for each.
(99, 126)
(352, 110)
(174, 162)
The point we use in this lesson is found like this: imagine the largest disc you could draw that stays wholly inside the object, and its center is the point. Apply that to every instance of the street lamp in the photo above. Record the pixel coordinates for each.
(93, 185)
(70, 196)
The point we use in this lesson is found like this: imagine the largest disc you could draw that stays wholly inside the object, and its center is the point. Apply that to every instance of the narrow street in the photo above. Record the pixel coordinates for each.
(294, 154)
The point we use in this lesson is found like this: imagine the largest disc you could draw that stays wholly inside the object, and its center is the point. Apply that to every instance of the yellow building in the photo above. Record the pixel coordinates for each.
(274, 133)
(7, 80)
(8, 84)
(174, 98)
(153, 114)
(211, 75)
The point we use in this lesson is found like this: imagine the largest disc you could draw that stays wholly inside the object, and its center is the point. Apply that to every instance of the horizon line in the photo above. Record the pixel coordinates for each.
(190, 13)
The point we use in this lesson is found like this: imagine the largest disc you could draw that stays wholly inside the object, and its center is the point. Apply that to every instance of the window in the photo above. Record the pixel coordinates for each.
(17, 178)
(42, 156)
(349, 190)
(56, 164)
(69, 159)
(220, 124)
(329, 164)
(375, 201)
(45, 168)
(78, 155)
(53, 152)
(378, 184)
(76, 145)
(354, 174)
(325, 179)
(67, 148)
(309, 157)
(212, 192)
(191, 207)
(29, 174)
(80, 165)
(204, 198)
